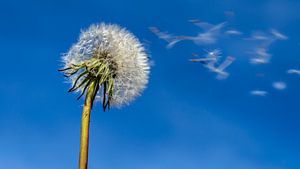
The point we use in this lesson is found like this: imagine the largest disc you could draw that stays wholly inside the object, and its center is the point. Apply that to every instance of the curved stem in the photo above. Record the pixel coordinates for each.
(85, 123)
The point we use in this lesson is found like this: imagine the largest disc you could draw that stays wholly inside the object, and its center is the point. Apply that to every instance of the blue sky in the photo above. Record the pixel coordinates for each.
(184, 119)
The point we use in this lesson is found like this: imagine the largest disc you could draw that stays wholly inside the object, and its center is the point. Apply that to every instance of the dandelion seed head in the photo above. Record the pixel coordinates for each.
(121, 49)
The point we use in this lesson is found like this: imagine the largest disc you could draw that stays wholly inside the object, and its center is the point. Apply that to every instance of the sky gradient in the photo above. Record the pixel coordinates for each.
(186, 118)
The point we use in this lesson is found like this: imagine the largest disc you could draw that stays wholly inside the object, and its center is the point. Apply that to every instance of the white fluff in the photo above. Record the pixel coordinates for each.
(258, 93)
(125, 50)
(279, 85)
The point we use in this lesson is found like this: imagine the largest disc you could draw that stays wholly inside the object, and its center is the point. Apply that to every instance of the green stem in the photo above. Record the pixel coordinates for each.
(85, 123)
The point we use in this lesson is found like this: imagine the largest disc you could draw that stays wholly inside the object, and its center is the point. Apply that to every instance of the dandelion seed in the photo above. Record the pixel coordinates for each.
(279, 85)
(258, 93)
(293, 71)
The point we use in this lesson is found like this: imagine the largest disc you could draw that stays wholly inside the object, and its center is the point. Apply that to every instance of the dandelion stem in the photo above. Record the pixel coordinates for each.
(85, 123)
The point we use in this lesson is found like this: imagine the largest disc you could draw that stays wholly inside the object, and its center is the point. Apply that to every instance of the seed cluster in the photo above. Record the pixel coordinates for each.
(110, 57)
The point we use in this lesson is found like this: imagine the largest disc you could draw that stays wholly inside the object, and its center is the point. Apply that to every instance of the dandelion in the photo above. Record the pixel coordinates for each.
(107, 62)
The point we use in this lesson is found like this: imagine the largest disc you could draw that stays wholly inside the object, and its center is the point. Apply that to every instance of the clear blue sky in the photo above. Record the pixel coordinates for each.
(185, 119)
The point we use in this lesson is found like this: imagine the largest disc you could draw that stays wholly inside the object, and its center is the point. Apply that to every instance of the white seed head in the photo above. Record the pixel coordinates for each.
(124, 50)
